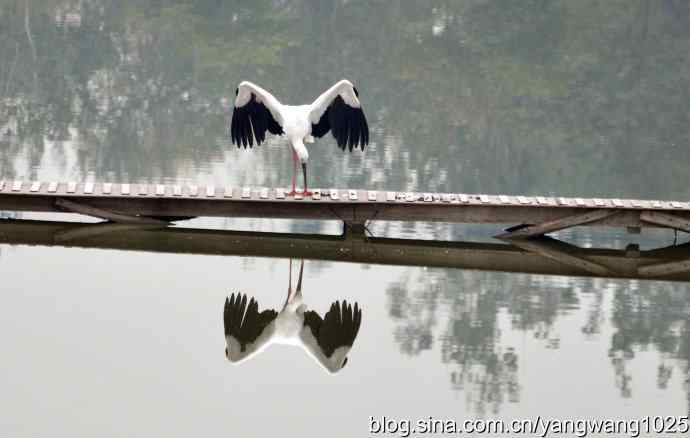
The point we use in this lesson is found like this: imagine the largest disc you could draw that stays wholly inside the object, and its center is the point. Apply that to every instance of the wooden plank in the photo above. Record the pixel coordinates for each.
(558, 224)
(107, 188)
(35, 186)
(52, 187)
(88, 188)
(666, 220)
(554, 253)
(104, 214)
(124, 189)
(472, 213)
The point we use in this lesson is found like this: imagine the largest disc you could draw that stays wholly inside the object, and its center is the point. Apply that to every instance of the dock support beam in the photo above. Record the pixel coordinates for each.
(563, 253)
(666, 220)
(88, 210)
(662, 269)
(558, 224)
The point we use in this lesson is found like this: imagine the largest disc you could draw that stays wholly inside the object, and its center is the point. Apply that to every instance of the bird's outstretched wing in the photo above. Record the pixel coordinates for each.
(246, 330)
(256, 111)
(339, 110)
(330, 339)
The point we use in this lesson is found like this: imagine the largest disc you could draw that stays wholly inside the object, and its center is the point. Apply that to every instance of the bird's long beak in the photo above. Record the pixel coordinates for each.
(304, 170)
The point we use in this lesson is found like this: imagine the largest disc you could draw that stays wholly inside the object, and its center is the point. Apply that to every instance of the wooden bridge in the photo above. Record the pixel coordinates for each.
(158, 204)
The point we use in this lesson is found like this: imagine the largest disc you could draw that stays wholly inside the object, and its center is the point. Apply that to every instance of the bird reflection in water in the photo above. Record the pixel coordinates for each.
(327, 340)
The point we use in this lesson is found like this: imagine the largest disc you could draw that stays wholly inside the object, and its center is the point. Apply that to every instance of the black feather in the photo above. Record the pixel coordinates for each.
(347, 124)
(338, 328)
(250, 122)
(244, 322)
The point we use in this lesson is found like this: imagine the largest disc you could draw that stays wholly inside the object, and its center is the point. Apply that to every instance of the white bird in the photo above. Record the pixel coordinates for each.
(337, 110)
(248, 332)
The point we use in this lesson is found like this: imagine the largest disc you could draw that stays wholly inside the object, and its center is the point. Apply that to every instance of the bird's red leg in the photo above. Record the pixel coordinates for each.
(287, 300)
(299, 280)
(294, 173)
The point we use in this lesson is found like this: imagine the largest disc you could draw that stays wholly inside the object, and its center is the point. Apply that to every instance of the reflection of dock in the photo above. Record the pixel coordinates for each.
(154, 203)
(538, 256)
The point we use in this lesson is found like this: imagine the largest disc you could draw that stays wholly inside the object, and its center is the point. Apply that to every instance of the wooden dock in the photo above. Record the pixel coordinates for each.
(542, 255)
(160, 203)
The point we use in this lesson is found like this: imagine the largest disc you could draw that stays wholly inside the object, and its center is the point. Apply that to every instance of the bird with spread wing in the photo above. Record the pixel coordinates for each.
(337, 110)
(327, 340)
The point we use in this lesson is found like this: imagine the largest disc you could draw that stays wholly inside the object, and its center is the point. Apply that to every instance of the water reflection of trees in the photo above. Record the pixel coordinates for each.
(650, 316)
(466, 312)
(458, 312)
(467, 94)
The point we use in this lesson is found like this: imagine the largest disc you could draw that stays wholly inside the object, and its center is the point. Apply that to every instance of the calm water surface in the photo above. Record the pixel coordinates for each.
(531, 97)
